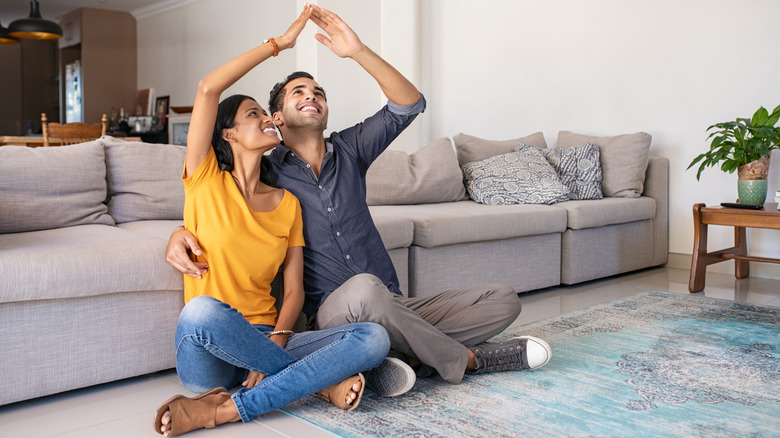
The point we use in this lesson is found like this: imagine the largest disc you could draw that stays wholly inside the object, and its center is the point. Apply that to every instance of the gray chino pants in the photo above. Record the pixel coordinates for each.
(437, 329)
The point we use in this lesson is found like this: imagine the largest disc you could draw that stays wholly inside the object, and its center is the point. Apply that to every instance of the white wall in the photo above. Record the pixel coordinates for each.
(502, 69)
(179, 46)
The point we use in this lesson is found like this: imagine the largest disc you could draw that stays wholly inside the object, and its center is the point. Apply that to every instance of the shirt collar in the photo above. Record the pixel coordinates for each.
(281, 151)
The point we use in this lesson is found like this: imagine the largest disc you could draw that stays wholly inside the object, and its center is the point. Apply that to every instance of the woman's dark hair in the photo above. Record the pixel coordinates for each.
(276, 99)
(226, 119)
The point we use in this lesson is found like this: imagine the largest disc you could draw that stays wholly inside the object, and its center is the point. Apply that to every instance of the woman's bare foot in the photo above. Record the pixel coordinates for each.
(345, 394)
(226, 413)
(166, 420)
(353, 392)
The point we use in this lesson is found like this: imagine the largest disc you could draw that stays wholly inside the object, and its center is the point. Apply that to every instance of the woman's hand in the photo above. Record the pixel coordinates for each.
(287, 41)
(280, 340)
(343, 41)
(253, 379)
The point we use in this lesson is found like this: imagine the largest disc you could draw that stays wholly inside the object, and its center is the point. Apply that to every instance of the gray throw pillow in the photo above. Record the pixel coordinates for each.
(520, 177)
(52, 187)
(579, 168)
(624, 160)
(428, 175)
(144, 180)
(470, 148)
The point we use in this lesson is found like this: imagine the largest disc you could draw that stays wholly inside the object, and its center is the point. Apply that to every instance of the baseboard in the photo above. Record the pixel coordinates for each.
(679, 261)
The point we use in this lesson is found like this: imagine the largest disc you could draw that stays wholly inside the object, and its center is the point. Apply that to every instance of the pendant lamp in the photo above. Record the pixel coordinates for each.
(5, 38)
(35, 27)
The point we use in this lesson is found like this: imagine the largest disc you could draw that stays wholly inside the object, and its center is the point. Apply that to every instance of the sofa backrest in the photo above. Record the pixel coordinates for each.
(144, 180)
(426, 176)
(429, 175)
(54, 187)
(107, 181)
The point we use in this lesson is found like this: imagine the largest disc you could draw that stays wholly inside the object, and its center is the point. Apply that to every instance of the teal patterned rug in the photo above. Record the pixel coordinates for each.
(656, 364)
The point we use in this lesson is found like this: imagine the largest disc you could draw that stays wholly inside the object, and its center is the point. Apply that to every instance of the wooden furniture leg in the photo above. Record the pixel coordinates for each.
(741, 266)
(699, 257)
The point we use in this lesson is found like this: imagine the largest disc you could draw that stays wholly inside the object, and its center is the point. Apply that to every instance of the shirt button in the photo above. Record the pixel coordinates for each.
(338, 233)
(329, 209)
(308, 166)
(347, 256)
(320, 186)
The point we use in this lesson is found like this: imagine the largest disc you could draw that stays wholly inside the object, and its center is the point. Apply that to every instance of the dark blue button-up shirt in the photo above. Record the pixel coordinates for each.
(341, 239)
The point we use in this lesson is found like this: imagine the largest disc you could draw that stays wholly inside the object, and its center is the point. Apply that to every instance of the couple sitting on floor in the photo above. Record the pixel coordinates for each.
(243, 220)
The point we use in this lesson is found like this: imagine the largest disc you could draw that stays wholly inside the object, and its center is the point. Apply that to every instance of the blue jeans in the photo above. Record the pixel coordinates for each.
(216, 346)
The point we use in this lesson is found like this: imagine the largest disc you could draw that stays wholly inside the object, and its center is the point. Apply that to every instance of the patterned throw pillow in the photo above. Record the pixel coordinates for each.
(579, 169)
(520, 177)
(624, 160)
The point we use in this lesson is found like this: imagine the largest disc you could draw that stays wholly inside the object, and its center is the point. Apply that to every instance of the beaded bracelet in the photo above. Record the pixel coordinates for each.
(275, 46)
(281, 332)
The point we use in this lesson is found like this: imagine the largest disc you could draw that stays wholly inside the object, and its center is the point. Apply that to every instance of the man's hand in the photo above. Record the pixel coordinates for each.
(179, 244)
(343, 41)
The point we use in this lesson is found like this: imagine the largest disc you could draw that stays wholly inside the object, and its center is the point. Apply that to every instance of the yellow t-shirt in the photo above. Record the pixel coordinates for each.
(243, 248)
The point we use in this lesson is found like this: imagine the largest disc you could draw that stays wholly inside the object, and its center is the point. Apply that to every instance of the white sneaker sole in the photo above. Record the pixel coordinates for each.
(393, 377)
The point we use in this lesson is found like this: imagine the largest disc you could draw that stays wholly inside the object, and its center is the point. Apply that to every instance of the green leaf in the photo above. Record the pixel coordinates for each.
(729, 166)
(762, 132)
(695, 160)
(760, 117)
(774, 117)
(698, 174)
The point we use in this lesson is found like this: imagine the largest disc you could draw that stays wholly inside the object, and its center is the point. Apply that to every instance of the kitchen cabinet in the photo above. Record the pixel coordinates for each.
(103, 44)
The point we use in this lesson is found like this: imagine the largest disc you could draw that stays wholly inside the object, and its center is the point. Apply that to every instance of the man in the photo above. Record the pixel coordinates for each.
(348, 274)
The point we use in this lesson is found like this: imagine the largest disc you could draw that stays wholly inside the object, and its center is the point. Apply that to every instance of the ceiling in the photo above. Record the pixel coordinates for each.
(11, 10)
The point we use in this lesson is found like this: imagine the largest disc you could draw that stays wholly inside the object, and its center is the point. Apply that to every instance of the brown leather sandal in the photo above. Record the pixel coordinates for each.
(191, 413)
(337, 394)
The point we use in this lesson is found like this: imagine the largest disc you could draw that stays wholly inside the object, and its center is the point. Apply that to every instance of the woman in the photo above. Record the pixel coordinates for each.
(228, 332)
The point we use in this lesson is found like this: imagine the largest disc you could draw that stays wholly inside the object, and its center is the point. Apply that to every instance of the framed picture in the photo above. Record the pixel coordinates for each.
(143, 102)
(161, 106)
(178, 127)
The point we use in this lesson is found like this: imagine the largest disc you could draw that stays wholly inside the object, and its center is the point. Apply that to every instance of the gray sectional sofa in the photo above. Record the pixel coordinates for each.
(86, 295)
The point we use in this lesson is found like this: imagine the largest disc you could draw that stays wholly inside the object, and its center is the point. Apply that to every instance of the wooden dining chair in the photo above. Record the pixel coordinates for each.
(60, 134)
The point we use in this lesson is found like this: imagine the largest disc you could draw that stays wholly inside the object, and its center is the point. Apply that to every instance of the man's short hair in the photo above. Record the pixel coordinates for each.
(276, 100)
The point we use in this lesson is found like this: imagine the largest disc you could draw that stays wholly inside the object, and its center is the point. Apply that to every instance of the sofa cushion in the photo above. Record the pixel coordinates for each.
(470, 148)
(467, 221)
(428, 175)
(81, 261)
(396, 231)
(161, 229)
(520, 177)
(144, 180)
(579, 168)
(623, 160)
(52, 187)
(608, 211)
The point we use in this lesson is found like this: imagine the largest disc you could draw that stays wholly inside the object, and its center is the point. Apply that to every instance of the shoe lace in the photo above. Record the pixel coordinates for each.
(502, 357)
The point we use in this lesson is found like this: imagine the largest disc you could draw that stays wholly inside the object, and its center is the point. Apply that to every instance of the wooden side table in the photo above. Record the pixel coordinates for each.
(740, 219)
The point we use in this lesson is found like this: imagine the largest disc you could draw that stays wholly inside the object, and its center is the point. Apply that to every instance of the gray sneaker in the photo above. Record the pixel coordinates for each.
(516, 354)
(391, 378)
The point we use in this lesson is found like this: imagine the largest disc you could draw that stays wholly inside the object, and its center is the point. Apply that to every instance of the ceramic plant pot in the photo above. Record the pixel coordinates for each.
(752, 191)
(752, 183)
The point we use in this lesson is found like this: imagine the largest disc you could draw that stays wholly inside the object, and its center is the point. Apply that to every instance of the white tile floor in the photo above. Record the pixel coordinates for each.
(125, 409)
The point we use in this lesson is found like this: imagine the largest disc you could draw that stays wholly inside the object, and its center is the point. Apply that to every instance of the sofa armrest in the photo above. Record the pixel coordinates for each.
(657, 187)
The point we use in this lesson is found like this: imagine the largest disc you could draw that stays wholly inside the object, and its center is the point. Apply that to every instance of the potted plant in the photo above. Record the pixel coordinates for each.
(744, 145)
